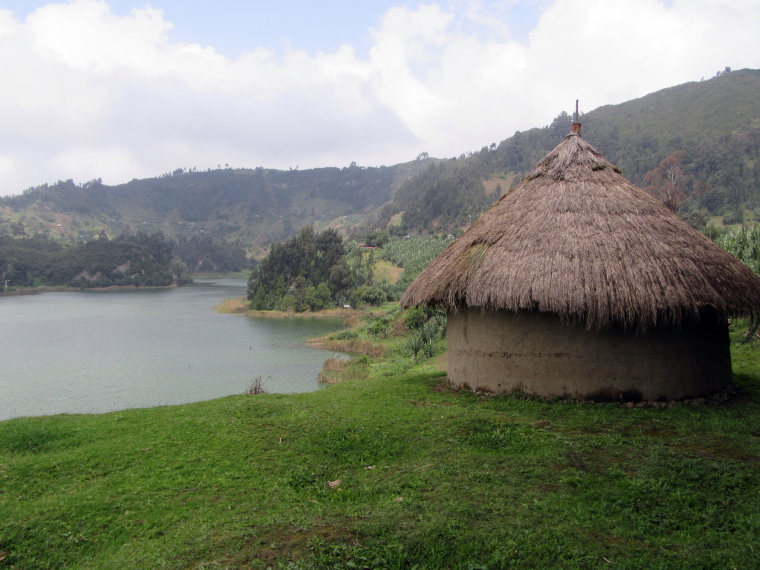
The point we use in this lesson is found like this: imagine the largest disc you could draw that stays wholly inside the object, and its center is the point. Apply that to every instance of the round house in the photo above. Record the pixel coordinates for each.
(578, 284)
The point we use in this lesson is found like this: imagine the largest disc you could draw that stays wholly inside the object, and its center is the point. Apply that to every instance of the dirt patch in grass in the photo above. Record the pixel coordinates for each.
(279, 545)
(720, 448)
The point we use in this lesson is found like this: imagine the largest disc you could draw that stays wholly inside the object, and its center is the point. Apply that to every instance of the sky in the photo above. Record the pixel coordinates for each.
(123, 89)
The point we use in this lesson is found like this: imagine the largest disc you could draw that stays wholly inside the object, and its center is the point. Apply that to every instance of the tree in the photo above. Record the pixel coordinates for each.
(329, 252)
(178, 269)
(668, 180)
(308, 271)
(377, 238)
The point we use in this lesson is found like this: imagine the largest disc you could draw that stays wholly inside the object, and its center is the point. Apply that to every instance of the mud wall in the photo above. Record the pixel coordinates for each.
(535, 353)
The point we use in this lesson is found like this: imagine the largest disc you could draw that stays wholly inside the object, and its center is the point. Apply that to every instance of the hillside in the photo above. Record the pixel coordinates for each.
(713, 126)
(129, 261)
(257, 206)
(698, 143)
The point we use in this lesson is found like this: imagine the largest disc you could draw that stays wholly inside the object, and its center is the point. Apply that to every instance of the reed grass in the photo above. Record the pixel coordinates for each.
(232, 306)
(355, 346)
(335, 370)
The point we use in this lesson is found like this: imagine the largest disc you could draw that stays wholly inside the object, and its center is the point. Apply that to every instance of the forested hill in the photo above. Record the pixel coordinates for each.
(257, 206)
(696, 145)
(703, 135)
(130, 260)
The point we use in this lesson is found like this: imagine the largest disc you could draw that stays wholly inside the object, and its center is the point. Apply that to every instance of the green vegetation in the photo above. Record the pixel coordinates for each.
(129, 259)
(413, 254)
(209, 254)
(257, 206)
(390, 468)
(317, 271)
(336, 370)
(139, 260)
(744, 243)
(310, 271)
(447, 194)
(696, 146)
(429, 326)
(391, 471)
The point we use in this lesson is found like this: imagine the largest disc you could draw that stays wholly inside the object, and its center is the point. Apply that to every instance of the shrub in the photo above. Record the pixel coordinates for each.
(355, 345)
(415, 343)
(735, 217)
(377, 328)
(255, 388)
(373, 296)
(425, 339)
(344, 335)
(288, 302)
(414, 318)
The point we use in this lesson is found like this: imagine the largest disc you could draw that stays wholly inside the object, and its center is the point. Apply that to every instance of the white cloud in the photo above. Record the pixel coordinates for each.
(87, 93)
(88, 36)
(6, 165)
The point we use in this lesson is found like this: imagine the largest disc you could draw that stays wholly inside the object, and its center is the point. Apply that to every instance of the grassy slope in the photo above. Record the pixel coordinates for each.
(458, 480)
(690, 111)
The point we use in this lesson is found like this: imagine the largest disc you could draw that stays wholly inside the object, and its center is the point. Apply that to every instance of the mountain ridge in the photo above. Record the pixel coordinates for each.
(714, 124)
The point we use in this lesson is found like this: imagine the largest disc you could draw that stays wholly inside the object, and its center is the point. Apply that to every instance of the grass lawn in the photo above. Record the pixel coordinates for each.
(394, 471)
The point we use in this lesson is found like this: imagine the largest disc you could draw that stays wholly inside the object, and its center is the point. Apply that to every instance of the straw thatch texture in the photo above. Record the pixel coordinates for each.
(576, 239)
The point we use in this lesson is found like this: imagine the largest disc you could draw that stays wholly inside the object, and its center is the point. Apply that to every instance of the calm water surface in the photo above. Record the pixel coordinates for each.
(92, 352)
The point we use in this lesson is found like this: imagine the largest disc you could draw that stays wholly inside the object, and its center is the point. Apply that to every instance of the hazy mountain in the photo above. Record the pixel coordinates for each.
(704, 137)
(708, 130)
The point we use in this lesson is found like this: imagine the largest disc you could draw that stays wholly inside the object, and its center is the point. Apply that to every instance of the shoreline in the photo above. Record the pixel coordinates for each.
(68, 289)
(239, 306)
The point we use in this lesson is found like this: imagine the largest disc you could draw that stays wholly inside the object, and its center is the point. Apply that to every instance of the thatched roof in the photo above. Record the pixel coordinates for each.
(575, 238)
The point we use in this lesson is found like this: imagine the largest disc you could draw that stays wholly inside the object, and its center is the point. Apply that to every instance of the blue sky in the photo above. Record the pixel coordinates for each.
(234, 26)
(122, 89)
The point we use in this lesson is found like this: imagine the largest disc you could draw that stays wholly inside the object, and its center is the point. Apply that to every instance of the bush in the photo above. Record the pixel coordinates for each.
(373, 296)
(378, 327)
(415, 318)
(735, 217)
(425, 339)
(697, 218)
(288, 302)
(393, 291)
(344, 335)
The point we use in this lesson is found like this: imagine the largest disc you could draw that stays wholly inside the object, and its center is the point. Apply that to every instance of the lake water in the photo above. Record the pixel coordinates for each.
(99, 351)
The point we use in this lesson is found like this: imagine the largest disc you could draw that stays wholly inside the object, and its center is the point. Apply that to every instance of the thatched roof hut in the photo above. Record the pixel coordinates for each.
(592, 257)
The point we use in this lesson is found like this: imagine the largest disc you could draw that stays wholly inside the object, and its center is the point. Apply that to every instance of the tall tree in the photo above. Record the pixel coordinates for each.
(668, 181)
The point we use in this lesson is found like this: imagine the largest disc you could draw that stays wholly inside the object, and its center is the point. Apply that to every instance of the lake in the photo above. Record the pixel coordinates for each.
(99, 351)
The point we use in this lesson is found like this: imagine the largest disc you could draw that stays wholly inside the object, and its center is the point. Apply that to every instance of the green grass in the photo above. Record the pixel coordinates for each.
(429, 478)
